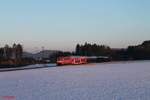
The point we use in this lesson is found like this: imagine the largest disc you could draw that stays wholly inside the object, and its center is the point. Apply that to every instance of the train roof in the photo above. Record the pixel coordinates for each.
(90, 57)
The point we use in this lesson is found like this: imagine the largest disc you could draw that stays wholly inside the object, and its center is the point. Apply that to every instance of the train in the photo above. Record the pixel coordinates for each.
(71, 60)
(76, 60)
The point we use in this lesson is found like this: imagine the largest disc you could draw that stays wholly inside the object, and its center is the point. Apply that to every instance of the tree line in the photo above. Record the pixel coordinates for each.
(14, 52)
(138, 52)
(92, 50)
(11, 56)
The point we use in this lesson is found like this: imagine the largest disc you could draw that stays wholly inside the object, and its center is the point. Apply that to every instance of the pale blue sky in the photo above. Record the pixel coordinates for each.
(61, 24)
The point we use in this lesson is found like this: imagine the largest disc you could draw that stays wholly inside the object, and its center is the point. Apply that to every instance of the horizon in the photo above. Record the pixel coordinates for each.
(37, 50)
(60, 25)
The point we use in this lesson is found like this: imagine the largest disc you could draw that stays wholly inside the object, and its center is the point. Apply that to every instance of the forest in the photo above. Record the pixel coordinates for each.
(137, 52)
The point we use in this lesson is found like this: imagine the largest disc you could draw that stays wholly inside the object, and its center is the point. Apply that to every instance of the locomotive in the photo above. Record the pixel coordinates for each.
(71, 60)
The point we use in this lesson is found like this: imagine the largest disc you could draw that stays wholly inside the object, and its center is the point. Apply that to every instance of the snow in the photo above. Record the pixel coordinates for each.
(105, 81)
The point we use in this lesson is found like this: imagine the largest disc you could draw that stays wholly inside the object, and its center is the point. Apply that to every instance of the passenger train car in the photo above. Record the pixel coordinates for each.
(71, 60)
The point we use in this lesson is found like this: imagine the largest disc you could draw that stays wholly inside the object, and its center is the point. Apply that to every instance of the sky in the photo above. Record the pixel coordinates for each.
(61, 24)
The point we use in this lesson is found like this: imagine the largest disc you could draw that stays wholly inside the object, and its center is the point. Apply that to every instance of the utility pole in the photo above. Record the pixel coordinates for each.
(43, 52)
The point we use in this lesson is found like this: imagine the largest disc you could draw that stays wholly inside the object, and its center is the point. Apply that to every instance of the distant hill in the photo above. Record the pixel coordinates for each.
(27, 54)
(41, 54)
(44, 54)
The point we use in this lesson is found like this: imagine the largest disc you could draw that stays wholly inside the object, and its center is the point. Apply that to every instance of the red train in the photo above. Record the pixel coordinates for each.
(71, 60)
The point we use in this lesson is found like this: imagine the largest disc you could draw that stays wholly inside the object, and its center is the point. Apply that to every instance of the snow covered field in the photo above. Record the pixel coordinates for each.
(105, 81)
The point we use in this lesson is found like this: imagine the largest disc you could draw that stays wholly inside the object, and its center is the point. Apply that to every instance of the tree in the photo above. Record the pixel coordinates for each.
(19, 51)
(92, 50)
(7, 52)
(78, 49)
(1, 53)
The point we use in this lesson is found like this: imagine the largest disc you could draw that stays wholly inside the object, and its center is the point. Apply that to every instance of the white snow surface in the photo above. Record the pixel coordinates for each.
(105, 81)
